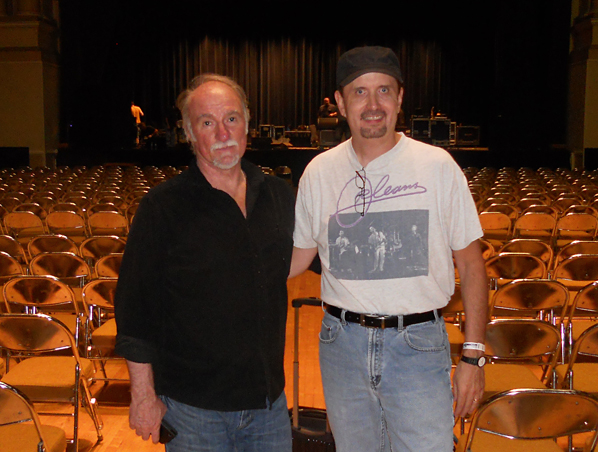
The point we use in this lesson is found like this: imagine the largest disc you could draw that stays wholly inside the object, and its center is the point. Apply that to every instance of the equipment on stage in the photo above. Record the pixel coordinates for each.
(439, 130)
(468, 136)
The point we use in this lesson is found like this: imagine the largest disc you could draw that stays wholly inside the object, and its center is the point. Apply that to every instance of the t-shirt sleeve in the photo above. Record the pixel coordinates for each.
(462, 216)
(303, 235)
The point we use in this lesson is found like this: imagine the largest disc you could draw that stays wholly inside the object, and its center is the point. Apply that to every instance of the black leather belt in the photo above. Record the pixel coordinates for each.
(383, 321)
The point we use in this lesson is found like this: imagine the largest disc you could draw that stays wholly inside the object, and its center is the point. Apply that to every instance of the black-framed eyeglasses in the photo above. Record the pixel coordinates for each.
(360, 197)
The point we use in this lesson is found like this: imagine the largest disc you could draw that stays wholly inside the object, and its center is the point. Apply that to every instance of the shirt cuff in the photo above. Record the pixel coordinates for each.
(134, 349)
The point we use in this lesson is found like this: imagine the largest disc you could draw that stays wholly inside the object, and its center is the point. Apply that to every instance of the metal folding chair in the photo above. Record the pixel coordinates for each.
(20, 427)
(531, 420)
(41, 374)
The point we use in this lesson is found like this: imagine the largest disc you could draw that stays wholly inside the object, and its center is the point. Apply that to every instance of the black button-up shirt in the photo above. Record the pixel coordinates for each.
(202, 290)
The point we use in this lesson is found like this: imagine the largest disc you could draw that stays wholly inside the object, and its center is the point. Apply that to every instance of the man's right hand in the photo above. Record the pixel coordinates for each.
(146, 410)
(145, 416)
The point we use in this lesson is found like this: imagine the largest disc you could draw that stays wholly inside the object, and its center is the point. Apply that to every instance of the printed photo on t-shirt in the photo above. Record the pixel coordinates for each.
(379, 245)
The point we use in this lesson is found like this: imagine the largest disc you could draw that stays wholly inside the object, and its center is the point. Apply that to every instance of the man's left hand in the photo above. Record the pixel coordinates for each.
(468, 388)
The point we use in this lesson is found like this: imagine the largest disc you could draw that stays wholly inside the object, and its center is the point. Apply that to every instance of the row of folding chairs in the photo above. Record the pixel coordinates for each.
(550, 256)
(60, 256)
(106, 219)
(499, 228)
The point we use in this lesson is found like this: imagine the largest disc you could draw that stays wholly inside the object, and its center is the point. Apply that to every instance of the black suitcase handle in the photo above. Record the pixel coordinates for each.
(309, 301)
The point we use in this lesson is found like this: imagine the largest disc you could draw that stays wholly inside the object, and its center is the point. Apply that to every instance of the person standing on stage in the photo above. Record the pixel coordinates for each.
(384, 352)
(201, 301)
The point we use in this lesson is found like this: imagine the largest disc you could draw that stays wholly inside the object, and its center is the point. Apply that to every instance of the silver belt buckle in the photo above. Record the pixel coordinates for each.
(382, 319)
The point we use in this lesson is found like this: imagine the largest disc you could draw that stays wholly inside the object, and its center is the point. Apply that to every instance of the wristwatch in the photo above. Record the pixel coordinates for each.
(474, 361)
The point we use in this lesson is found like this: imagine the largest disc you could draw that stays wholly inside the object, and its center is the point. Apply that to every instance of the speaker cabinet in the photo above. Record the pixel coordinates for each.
(420, 129)
(468, 136)
(440, 132)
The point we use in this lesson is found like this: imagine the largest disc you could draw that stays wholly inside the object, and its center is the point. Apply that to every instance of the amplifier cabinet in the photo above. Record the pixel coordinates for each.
(266, 131)
(468, 136)
(420, 129)
(440, 132)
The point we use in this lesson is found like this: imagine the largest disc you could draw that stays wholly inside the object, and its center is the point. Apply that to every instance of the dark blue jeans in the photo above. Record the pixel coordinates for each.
(263, 430)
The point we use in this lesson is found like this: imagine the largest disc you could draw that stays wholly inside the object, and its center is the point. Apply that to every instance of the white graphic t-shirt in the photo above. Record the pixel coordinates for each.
(385, 233)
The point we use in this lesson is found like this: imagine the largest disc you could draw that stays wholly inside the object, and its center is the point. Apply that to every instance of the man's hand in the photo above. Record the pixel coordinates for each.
(146, 410)
(145, 416)
(468, 388)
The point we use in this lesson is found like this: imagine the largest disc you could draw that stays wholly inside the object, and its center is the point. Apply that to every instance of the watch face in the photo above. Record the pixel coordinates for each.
(481, 361)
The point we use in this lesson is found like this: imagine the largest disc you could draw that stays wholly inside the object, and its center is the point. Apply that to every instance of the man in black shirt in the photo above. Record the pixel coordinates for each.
(328, 110)
(201, 301)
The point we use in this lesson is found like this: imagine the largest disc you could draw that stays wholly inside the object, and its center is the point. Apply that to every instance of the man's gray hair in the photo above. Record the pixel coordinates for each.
(183, 99)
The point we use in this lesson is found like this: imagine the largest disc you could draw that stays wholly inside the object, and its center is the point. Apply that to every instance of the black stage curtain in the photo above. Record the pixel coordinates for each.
(502, 67)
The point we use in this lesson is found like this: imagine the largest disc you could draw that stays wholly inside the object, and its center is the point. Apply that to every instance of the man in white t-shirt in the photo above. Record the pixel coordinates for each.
(384, 352)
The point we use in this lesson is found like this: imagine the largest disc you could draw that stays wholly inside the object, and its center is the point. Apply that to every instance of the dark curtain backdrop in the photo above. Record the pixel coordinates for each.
(499, 65)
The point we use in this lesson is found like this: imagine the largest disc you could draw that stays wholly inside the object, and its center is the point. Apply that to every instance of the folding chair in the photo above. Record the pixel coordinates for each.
(24, 225)
(531, 420)
(48, 295)
(535, 226)
(99, 298)
(535, 247)
(9, 267)
(108, 266)
(513, 346)
(67, 223)
(541, 208)
(65, 206)
(497, 227)
(32, 207)
(20, 427)
(68, 267)
(506, 267)
(574, 226)
(508, 209)
(564, 202)
(42, 375)
(581, 372)
(575, 247)
(108, 223)
(583, 313)
(93, 248)
(577, 271)
(12, 247)
(543, 299)
(54, 243)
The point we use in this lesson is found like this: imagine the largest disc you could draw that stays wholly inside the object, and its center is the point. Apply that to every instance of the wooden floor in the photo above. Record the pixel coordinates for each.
(119, 438)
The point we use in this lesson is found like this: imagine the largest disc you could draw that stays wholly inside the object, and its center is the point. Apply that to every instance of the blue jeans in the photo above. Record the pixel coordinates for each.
(387, 389)
(263, 430)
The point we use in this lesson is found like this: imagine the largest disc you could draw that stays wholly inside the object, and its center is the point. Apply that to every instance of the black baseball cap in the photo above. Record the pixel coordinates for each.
(361, 60)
